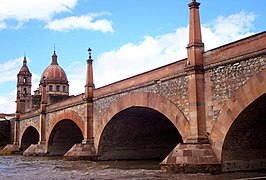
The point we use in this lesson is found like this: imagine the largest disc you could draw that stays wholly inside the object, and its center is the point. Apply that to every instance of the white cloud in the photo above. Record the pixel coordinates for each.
(227, 29)
(81, 22)
(76, 77)
(152, 52)
(3, 25)
(23, 11)
(7, 103)
(131, 59)
(33, 9)
(35, 80)
(44, 10)
(9, 69)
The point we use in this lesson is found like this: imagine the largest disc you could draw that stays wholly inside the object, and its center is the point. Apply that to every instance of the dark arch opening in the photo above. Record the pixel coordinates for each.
(138, 133)
(30, 136)
(245, 143)
(63, 137)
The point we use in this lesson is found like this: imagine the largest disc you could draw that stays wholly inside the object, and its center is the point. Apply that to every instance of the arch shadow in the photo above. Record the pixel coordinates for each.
(68, 114)
(65, 125)
(63, 137)
(30, 136)
(148, 100)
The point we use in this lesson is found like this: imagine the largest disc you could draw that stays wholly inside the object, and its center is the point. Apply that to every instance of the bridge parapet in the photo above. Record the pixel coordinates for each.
(30, 114)
(73, 101)
(239, 49)
(147, 78)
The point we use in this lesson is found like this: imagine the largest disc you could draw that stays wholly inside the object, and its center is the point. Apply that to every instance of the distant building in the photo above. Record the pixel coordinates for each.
(5, 117)
(56, 83)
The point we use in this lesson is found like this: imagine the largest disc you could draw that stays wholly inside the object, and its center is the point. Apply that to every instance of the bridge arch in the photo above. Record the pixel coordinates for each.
(29, 136)
(141, 102)
(237, 116)
(65, 130)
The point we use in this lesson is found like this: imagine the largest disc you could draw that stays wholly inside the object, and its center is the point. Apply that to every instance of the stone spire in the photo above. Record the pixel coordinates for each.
(89, 78)
(86, 150)
(194, 68)
(195, 46)
(25, 60)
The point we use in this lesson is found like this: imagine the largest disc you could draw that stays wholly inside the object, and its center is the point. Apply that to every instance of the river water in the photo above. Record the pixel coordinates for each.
(34, 168)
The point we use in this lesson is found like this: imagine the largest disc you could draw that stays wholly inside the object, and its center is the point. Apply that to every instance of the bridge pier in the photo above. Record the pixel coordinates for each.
(191, 157)
(195, 155)
(82, 151)
(35, 150)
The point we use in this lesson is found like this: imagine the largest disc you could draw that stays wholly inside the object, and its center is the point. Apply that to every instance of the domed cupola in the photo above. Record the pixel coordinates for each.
(55, 78)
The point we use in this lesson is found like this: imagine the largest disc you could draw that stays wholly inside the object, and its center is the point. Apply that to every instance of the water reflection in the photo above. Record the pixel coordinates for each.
(20, 167)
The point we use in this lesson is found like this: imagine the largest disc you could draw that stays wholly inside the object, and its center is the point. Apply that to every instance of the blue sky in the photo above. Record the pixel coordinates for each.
(127, 36)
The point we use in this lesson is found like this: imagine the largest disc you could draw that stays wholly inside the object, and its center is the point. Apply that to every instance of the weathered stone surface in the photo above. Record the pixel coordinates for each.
(191, 158)
(243, 165)
(226, 79)
(10, 149)
(35, 150)
(81, 151)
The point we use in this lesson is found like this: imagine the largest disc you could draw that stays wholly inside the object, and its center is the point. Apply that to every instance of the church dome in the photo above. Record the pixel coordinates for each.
(55, 79)
(54, 73)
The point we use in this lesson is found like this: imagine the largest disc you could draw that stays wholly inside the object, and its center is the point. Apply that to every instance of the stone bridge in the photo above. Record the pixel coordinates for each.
(206, 111)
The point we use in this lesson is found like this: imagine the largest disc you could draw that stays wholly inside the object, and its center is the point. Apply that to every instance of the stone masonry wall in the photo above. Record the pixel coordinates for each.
(79, 109)
(224, 80)
(174, 89)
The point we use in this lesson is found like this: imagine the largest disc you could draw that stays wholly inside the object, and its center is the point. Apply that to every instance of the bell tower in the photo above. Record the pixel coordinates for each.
(24, 86)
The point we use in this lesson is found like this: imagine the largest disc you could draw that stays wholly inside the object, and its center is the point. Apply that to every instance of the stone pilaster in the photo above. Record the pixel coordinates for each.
(86, 149)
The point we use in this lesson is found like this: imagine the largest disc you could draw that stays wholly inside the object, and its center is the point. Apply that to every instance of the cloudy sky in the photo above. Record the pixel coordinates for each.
(127, 36)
